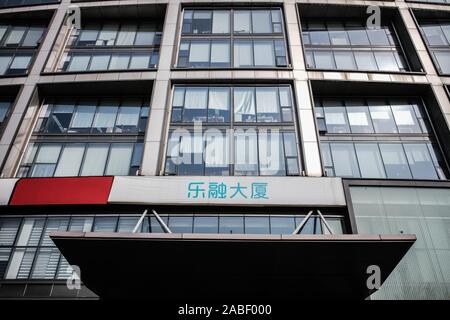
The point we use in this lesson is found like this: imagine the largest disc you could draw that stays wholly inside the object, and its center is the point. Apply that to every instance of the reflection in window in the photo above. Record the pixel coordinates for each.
(80, 159)
(349, 45)
(259, 151)
(265, 48)
(376, 155)
(437, 37)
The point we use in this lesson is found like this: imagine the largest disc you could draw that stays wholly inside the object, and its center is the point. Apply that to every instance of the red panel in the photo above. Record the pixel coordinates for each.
(76, 190)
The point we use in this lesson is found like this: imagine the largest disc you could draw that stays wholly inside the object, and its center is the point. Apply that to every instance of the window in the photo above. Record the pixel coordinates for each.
(112, 46)
(86, 137)
(199, 47)
(437, 37)
(5, 106)
(226, 113)
(349, 45)
(391, 139)
(27, 251)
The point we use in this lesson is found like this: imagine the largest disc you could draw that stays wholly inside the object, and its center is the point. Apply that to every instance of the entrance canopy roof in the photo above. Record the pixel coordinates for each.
(222, 266)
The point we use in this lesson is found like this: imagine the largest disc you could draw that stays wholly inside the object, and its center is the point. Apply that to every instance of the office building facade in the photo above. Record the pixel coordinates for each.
(291, 147)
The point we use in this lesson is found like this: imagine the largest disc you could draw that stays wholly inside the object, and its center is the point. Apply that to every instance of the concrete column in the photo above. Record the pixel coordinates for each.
(161, 95)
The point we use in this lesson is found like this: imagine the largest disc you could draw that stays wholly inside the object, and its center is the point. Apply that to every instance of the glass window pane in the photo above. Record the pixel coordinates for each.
(420, 162)
(4, 63)
(128, 117)
(141, 61)
(219, 105)
(217, 153)
(405, 117)
(88, 35)
(95, 160)
(242, 21)
(282, 225)
(105, 224)
(264, 53)
(257, 225)
(246, 156)
(285, 96)
(344, 60)
(386, 61)
(443, 59)
(126, 35)
(335, 117)
(46, 263)
(201, 22)
(108, 35)
(434, 35)
(324, 60)
(382, 118)
(195, 104)
(145, 36)
(79, 63)
(33, 36)
(243, 56)
(20, 62)
(70, 160)
(119, 62)
(244, 105)
(83, 116)
(231, 225)
(105, 117)
(60, 118)
(15, 36)
(358, 37)
(365, 61)
(369, 160)
(220, 53)
(199, 54)
(319, 38)
(119, 159)
(358, 117)
(48, 153)
(271, 159)
(127, 224)
(339, 37)
(344, 159)
(179, 224)
(378, 37)
(394, 160)
(206, 224)
(8, 230)
(267, 104)
(221, 22)
(100, 62)
(261, 21)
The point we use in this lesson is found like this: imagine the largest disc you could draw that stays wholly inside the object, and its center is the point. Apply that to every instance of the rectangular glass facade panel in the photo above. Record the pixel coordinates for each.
(423, 273)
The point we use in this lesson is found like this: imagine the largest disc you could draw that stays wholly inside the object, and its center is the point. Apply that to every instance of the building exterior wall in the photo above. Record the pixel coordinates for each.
(157, 84)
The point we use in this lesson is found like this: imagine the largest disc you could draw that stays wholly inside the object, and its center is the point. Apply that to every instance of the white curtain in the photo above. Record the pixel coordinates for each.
(95, 160)
(219, 98)
(267, 100)
(48, 153)
(244, 102)
(107, 35)
(264, 53)
(195, 98)
(70, 161)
